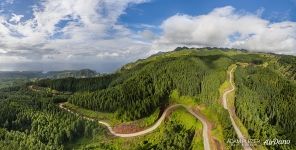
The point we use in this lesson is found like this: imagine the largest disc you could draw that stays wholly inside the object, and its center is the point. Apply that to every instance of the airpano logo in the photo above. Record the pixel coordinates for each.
(276, 141)
(254, 142)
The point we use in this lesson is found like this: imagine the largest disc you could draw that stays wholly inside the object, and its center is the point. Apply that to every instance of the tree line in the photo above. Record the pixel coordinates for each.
(32, 121)
(140, 93)
(265, 102)
(76, 84)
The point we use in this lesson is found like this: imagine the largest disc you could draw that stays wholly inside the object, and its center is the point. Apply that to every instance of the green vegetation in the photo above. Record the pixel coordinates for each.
(32, 121)
(93, 114)
(231, 106)
(5, 83)
(180, 131)
(265, 102)
(17, 78)
(84, 73)
(77, 84)
(144, 86)
(111, 119)
(288, 66)
(186, 100)
(139, 92)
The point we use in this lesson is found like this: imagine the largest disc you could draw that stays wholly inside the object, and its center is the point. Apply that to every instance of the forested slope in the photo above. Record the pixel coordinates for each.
(30, 120)
(77, 84)
(265, 99)
(139, 90)
(266, 104)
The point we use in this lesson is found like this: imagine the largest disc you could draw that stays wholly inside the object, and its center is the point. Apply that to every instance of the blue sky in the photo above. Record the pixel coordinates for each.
(105, 34)
(156, 11)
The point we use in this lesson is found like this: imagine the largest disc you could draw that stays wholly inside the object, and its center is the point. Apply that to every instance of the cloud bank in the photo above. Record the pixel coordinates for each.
(226, 27)
(71, 32)
(67, 34)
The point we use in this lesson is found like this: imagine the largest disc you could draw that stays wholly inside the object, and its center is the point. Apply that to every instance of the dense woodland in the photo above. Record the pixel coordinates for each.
(31, 120)
(76, 84)
(265, 99)
(266, 103)
(176, 137)
(142, 87)
(148, 87)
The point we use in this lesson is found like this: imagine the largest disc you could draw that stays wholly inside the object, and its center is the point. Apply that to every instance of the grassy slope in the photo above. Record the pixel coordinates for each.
(216, 132)
(209, 112)
(110, 117)
(180, 115)
(175, 97)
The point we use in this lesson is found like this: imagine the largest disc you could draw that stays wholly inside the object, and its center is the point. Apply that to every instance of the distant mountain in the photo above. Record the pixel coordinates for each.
(84, 73)
(20, 74)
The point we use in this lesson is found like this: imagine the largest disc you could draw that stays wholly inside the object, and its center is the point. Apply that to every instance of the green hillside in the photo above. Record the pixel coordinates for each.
(137, 93)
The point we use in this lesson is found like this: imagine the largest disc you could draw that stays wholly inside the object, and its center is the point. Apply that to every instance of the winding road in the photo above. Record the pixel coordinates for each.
(206, 140)
(245, 144)
(206, 132)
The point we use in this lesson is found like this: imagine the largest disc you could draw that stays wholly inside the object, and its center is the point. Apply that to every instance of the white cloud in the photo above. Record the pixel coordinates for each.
(67, 33)
(16, 18)
(225, 27)
(107, 54)
(8, 59)
(2, 51)
(62, 28)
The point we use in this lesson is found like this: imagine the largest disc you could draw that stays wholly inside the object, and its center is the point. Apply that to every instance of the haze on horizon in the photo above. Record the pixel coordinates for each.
(103, 35)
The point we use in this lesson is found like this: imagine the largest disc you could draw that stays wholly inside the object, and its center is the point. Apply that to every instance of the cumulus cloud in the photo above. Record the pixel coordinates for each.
(226, 27)
(70, 32)
(67, 34)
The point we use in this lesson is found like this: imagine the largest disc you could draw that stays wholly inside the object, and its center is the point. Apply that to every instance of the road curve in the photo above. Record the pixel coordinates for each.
(245, 144)
(205, 132)
(153, 127)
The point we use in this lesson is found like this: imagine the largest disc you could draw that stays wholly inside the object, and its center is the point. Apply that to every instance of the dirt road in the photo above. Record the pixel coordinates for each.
(245, 145)
(154, 126)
